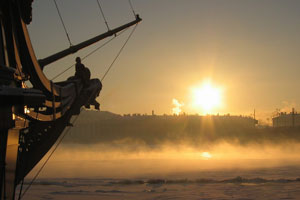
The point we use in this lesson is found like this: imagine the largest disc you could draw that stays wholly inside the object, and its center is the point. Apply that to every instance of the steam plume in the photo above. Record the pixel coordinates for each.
(177, 107)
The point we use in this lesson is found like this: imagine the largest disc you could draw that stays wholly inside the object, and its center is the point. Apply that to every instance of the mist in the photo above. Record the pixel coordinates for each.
(106, 145)
(131, 159)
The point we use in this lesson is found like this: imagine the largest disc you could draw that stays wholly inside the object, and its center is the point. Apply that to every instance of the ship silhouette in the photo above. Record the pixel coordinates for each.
(32, 119)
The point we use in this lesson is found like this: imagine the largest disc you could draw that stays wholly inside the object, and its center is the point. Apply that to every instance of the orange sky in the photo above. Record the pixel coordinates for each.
(249, 48)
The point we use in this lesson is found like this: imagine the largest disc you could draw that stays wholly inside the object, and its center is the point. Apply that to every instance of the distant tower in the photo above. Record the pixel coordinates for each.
(293, 117)
(152, 112)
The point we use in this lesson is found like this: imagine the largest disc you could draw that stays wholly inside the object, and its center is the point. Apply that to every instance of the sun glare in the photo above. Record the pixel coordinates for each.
(206, 155)
(207, 97)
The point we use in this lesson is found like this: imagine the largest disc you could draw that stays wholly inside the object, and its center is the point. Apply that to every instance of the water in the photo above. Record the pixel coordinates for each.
(135, 171)
(242, 184)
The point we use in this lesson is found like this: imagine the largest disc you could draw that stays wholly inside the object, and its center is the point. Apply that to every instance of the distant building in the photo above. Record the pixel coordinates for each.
(286, 120)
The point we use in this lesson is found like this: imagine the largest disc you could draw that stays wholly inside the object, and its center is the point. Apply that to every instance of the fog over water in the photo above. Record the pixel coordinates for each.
(173, 157)
(102, 144)
(133, 159)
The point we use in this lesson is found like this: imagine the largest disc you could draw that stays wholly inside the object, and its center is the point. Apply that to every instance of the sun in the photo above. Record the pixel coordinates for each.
(207, 97)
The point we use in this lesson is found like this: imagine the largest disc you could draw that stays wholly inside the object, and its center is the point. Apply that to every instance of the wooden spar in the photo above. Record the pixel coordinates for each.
(73, 49)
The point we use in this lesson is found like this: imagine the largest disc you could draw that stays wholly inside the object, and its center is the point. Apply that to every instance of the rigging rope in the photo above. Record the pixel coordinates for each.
(62, 21)
(92, 52)
(58, 143)
(105, 21)
(119, 53)
(82, 59)
(129, 1)
(104, 18)
(21, 189)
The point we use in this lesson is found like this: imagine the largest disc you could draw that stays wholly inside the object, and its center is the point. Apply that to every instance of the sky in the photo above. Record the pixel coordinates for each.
(248, 49)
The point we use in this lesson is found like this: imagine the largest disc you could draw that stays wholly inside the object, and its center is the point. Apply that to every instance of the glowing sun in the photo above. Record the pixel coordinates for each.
(207, 97)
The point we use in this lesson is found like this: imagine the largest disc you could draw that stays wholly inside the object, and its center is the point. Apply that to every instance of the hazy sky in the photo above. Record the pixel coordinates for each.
(249, 48)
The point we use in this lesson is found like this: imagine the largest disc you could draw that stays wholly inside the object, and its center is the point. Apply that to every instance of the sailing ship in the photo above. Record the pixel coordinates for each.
(32, 119)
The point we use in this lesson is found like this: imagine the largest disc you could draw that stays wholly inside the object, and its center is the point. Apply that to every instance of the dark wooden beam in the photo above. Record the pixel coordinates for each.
(73, 49)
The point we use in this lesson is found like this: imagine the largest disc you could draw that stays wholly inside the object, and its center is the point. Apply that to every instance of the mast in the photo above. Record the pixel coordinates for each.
(73, 49)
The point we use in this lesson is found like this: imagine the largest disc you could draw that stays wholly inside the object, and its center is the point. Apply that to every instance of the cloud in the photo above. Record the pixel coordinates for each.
(177, 107)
